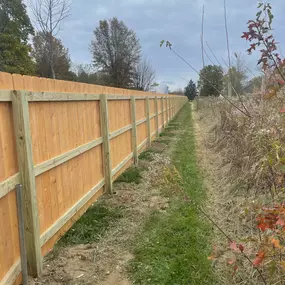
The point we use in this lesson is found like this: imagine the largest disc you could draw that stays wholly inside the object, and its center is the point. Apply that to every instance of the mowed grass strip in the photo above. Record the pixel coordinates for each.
(174, 246)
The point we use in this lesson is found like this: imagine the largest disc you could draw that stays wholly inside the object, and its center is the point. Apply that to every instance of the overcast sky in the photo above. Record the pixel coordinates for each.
(178, 21)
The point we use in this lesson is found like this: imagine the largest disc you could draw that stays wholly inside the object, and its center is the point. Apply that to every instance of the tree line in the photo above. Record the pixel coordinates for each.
(35, 49)
(214, 81)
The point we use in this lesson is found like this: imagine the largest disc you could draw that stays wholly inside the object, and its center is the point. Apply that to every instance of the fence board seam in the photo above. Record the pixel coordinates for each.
(120, 131)
(53, 229)
(62, 158)
(122, 164)
(13, 273)
(9, 184)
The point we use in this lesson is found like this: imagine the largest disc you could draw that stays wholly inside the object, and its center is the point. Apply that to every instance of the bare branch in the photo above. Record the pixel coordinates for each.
(144, 75)
(202, 37)
(48, 15)
(206, 79)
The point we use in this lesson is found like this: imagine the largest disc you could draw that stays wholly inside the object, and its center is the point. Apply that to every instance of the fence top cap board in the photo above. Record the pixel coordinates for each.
(37, 84)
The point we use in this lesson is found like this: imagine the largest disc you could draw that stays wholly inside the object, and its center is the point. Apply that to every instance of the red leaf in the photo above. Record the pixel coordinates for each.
(230, 262)
(259, 258)
(233, 246)
(241, 247)
(280, 222)
(235, 269)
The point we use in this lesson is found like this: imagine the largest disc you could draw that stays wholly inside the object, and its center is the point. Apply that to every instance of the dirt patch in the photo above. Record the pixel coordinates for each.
(104, 262)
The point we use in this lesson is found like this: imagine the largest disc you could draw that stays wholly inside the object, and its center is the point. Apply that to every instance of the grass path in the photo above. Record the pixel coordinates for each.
(146, 233)
(174, 245)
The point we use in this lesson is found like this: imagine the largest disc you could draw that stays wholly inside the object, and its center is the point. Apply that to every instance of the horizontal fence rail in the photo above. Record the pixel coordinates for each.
(65, 143)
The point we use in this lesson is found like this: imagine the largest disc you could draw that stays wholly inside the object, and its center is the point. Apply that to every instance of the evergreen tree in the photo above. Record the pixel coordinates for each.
(190, 90)
(211, 80)
(15, 28)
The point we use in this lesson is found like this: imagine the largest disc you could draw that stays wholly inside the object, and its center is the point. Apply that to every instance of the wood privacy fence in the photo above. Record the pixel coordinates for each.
(65, 142)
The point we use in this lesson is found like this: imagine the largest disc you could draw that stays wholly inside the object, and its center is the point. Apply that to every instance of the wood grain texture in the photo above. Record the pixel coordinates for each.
(12, 275)
(26, 169)
(121, 147)
(51, 242)
(60, 159)
(119, 114)
(141, 133)
(140, 109)
(49, 233)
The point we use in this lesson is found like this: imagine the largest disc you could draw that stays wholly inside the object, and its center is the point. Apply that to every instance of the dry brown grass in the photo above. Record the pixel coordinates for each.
(242, 159)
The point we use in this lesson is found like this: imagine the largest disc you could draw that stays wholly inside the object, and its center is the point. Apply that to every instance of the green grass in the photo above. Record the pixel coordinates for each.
(147, 154)
(174, 246)
(166, 134)
(91, 226)
(131, 175)
(165, 140)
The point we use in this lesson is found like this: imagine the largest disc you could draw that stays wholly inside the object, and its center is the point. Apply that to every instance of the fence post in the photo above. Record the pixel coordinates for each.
(106, 143)
(27, 176)
(21, 228)
(148, 122)
(167, 111)
(156, 117)
(162, 107)
(169, 101)
(134, 130)
(171, 114)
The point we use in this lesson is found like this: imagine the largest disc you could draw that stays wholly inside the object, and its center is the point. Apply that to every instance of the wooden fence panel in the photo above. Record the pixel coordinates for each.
(67, 150)
(119, 114)
(121, 147)
(140, 109)
(152, 106)
(141, 133)
(9, 236)
(152, 126)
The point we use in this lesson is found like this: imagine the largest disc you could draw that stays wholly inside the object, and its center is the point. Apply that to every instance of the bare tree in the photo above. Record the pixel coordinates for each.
(144, 75)
(48, 16)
